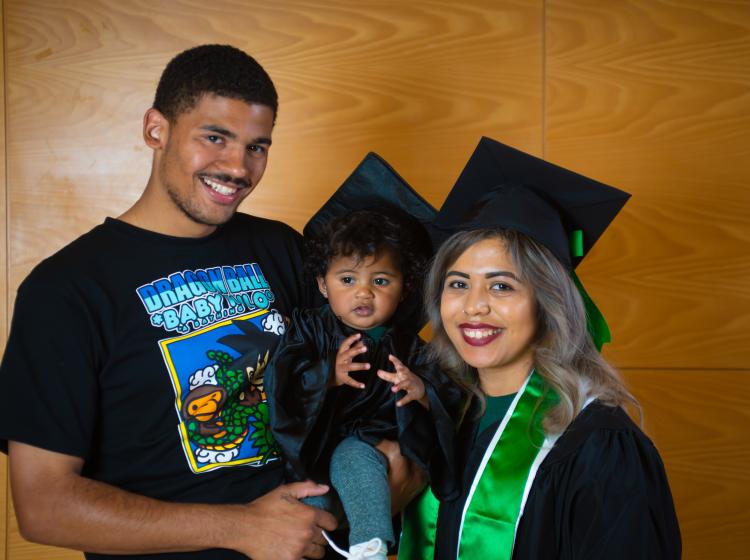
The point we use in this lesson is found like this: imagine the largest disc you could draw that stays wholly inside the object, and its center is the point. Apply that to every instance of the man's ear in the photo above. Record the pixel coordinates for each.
(322, 286)
(155, 129)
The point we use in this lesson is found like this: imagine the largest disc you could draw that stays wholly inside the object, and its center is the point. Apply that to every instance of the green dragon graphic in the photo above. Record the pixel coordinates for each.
(219, 417)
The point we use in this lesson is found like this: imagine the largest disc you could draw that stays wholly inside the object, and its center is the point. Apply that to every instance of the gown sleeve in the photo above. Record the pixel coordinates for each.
(428, 437)
(607, 498)
(296, 381)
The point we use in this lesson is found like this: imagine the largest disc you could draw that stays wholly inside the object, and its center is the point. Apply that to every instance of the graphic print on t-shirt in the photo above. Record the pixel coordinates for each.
(223, 415)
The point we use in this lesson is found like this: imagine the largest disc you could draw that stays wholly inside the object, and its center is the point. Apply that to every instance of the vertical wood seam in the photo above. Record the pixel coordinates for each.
(544, 79)
(5, 314)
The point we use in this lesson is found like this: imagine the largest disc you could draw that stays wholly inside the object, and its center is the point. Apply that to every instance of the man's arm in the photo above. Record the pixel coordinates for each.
(56, 505)
(405, 479)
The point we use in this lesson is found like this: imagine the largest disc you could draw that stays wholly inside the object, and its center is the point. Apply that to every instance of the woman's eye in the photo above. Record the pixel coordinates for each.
(501, 287)
(456, 285)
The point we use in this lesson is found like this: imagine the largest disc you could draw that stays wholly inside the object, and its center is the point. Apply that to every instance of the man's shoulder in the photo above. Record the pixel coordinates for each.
(77, 258)
(242, 222)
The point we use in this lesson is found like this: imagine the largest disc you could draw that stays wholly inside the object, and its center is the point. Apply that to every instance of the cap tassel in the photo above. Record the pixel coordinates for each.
(595, 321)
(576, 243)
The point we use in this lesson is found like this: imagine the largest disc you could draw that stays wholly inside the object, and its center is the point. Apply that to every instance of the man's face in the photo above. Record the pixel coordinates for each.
(212, 158)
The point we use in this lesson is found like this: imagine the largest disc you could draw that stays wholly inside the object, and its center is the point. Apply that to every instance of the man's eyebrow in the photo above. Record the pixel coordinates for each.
(219, 130)
(232, 136)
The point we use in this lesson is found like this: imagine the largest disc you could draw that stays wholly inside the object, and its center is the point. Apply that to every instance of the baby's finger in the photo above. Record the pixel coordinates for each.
(396, 362)
(356, 366)
(349, 341)
(347, 380)
(405, 400)
(389, 377)
(355, 350)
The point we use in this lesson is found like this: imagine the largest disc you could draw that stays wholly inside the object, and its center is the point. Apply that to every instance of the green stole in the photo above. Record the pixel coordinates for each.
(501, 484)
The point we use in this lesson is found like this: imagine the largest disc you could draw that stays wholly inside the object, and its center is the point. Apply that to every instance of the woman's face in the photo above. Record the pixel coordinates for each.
(490, 316)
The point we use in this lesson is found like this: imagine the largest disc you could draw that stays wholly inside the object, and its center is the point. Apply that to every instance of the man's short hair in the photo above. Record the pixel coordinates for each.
(212, 69)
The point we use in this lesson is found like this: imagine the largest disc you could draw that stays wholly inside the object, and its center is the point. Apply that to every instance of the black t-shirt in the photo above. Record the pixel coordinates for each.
(114, 357)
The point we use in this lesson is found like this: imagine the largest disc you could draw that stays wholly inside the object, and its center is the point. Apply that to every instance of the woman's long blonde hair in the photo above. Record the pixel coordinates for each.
(564, 354)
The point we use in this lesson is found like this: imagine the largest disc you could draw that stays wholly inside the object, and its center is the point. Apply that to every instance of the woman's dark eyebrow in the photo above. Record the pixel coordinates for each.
(488, 275)
(507, 273)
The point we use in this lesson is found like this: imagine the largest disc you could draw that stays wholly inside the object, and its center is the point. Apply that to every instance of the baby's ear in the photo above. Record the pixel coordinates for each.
(322, 286)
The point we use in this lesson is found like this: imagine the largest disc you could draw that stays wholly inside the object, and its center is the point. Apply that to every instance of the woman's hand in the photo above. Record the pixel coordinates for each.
(405, 380)
(350, 348)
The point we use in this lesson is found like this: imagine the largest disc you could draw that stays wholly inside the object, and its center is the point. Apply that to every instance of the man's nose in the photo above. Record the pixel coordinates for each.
(234, 163)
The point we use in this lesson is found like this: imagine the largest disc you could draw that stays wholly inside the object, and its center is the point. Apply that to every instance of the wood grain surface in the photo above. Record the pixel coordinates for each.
(417, 83)
(654, 97)
(3, 282)
(698, 420)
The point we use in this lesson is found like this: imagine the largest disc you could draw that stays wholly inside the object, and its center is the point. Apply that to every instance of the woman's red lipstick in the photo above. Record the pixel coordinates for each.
(482, 333)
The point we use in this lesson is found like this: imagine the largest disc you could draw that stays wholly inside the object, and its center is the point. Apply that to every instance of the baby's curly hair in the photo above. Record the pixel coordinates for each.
(366, 233)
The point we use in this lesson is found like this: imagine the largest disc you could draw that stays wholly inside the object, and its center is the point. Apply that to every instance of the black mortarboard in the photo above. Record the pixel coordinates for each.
(374, 185)
(502, 187)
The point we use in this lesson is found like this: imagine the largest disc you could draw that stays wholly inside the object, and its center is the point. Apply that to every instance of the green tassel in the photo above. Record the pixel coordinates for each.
(576, 243)
(595, 321)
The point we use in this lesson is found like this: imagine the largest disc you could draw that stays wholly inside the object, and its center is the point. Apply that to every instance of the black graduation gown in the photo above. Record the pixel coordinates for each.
(309, 419)
(601, 492)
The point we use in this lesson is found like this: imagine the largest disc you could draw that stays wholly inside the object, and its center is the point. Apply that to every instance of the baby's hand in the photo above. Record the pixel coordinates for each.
(405, 380)
(345, 363)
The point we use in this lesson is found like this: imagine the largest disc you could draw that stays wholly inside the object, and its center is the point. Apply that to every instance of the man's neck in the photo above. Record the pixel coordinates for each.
(145, 214)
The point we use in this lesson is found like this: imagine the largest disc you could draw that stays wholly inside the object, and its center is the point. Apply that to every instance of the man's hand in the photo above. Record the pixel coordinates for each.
(76, 512)
(405, 380)
(350, 348)
(282, 527)
(405, 479)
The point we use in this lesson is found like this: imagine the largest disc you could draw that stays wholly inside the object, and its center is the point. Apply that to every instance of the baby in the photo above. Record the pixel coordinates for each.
(350, 374)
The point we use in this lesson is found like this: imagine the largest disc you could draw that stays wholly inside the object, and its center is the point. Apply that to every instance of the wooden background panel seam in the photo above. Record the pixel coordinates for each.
(4, 485)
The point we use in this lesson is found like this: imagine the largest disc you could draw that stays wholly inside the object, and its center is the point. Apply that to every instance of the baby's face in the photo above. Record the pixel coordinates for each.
(363, 293)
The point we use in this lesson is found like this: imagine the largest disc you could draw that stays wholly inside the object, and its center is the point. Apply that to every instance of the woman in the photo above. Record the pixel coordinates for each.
(552, 465)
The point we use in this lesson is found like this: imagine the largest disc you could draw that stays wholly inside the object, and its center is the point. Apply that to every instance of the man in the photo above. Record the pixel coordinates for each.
(128, 430)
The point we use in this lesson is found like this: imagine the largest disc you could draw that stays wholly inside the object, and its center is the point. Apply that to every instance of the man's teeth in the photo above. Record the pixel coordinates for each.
(480, 333)
(219, 188)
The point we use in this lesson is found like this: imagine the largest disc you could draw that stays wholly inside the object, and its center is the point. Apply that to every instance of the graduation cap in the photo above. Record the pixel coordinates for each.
(374, 185)
(501, 187)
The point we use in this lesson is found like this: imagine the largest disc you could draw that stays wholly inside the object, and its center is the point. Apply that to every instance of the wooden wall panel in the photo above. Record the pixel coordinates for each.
(418, 82)
(653, 96)
(698, 419)
(649, 95)
(4, 501)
